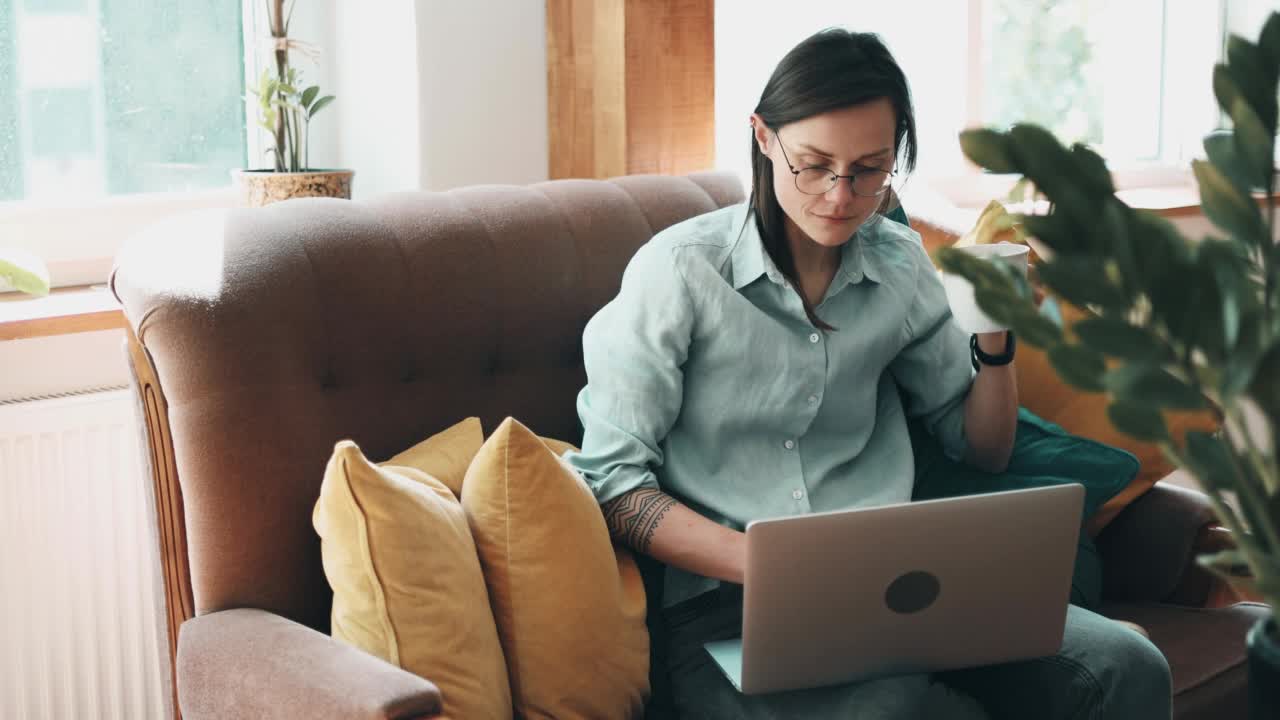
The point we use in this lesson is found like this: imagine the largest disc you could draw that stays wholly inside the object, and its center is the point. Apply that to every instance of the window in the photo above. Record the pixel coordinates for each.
(1132, 78)
(116, 97)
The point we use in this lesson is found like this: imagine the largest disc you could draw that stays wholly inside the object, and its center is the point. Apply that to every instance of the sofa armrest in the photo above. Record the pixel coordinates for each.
(252, 663)
(1148, 549)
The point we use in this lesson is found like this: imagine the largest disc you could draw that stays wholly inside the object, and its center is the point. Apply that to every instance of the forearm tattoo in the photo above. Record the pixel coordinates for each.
(633, 518)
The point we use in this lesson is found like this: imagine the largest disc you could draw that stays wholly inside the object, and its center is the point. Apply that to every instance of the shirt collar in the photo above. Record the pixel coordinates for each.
(750, 260)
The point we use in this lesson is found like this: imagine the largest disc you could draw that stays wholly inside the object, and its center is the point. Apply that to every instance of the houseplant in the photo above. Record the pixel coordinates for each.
(285, 110)
(23, 271)
(1174, 323)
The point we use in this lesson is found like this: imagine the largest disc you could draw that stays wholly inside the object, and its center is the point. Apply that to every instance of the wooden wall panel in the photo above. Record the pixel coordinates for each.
(670, 86)
(631, 87)
(585, 88)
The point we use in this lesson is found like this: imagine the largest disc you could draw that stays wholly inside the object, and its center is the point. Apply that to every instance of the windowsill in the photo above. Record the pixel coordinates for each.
(64, 311)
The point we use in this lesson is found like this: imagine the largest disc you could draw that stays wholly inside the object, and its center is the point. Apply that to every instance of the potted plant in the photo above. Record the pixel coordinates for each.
(285, 110)
(24, 272)
(1172, 323)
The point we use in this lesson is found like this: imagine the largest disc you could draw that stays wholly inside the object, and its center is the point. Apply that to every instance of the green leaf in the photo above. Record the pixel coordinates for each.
(1211, 460)
(1168, 269)
(1044, 160)
(1138, 421)
(1229, 266)
(1093, 169)
(981, 273)
(1253, 143)
(1242, 361)
(319, 105)
(1078, 366)
(1035, 328)
(1228, 207)
(24, 271)
(1152, 385)
(1254, 77)
(1269, 41)
(1119, 339)
(997, 304)
(1225, 89)
(1055, 231)
(1220, 146)
(989, 149)
(1114, 232)
(1265, 388)
(1082, 281)
(309, 95)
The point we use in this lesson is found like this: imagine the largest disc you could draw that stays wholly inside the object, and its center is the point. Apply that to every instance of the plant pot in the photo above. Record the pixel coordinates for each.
(263, 187)
(1264, 670)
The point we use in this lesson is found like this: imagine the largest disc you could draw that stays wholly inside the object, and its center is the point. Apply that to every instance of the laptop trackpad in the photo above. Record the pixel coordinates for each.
(728, 655)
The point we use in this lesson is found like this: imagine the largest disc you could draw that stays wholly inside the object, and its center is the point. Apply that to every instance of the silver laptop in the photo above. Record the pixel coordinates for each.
(845, 596)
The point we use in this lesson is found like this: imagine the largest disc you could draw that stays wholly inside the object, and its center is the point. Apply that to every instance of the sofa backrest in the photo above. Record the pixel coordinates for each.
(273, 333)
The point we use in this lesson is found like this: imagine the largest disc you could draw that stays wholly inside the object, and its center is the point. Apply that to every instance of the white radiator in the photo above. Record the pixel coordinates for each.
(81, 604)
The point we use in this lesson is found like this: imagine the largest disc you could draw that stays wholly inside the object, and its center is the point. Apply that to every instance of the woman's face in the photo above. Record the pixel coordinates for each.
(842, 141)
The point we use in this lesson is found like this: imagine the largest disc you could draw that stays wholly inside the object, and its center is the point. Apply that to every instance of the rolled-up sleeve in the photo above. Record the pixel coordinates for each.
(634, 350)
(933, 369)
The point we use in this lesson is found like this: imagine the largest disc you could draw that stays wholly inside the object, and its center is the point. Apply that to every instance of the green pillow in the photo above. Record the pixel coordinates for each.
(1043, 454)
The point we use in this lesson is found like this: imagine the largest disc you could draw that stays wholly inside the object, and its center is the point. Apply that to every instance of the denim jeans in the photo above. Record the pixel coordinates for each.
(1104, 672)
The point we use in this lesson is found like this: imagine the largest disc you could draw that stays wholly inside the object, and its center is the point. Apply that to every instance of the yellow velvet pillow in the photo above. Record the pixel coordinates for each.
(570, 607)
(407, 584)
(445, 455)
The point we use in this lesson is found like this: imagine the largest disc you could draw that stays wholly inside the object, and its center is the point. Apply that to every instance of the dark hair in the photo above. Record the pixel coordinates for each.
(831, 70)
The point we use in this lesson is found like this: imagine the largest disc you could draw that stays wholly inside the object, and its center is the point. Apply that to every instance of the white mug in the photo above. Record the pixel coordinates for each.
(960, 292)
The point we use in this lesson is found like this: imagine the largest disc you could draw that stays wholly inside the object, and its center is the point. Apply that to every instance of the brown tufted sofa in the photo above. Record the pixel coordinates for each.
(260, 337)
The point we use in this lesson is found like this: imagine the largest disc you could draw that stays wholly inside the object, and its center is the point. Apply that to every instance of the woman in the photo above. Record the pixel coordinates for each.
(762, 360)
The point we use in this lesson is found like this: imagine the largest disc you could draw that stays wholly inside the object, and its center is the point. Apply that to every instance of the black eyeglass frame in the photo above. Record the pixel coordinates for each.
(887, 183)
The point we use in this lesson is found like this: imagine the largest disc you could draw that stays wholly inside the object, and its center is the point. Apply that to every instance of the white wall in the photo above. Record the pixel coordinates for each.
(483, 92)
(929, 39)
(430, 94)
(377, 81)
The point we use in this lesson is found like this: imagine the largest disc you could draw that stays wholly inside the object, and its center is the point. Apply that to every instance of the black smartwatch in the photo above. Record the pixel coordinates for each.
(1004, 358)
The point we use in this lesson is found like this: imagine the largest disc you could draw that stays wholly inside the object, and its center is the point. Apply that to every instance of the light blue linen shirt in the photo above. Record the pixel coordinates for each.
(706, 379)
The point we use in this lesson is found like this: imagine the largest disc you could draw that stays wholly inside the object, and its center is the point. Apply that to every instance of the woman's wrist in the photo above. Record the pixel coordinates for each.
(993, 343)
(736, 554)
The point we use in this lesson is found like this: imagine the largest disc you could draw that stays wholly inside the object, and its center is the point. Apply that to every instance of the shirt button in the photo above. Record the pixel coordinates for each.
(813, 399)
(797, 494)
(814, 337)
(790, 444)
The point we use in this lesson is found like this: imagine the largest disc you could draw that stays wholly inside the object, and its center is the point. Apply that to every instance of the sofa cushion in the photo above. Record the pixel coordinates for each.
(569, 606)
(407, 584)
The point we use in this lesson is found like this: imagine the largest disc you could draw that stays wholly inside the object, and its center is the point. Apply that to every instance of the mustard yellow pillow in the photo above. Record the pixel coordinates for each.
(407, 584)
(445, 455)
(570, 607)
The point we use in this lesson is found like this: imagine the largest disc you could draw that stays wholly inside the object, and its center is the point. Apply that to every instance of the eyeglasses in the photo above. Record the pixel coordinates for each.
(867, 182)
